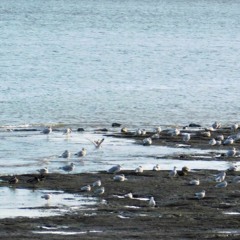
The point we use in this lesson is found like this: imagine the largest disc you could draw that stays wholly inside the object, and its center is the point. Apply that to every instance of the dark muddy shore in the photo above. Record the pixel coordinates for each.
(177, 215)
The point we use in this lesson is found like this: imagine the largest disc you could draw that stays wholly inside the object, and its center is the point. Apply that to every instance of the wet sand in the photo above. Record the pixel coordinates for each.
(177, 215)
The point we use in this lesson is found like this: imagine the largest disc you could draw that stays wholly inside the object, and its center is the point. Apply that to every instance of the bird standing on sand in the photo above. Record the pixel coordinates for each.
(86, 188)
(222, 184)
(99, 191)
(139, 169)
(34, 181)
(173, 173)
(234, 127)
(97, 183)
(156, 168)
(200, 195)
(13, 180)
(115, 169)
(119, 178)
(194, 182)
(152, 202)
(220, 177)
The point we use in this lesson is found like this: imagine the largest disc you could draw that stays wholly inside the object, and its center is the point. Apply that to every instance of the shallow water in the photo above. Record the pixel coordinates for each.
(26, 152)
(28, 203)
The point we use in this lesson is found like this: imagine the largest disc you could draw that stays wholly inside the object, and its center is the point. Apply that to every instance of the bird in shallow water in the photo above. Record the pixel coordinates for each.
(65, 154)
(200, 195)
(47, 196)
(47, 130)
(68, 168)
(147, 141)
(67, 131)
(81, 153)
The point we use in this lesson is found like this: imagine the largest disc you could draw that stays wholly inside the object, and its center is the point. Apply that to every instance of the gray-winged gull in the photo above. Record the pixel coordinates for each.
(97, 183)
(99, 191)
(81, 153)
(231, 152)
(47, 196)
(68, 168)
(157, 168)
(43, 171)
(200, 195)
(139, 169)
(147, 141)
(221, 184)
(47, 130)
(65, 154)
(173, 173)
(194, 182)
(115, 169)
(86, 188)
(220, 176)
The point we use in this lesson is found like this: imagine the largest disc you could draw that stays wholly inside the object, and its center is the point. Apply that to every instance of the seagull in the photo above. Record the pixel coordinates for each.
(99, 191)
(228, 141)
(173, 173)
(81, 153)
(43, 171)
(174, 132)
(220, 137)
(139, 169)
(156, 168)
(200, 195)
(47, 130)
(47, 196)
(67, 131)
(186, 137)
(138, 132)
(68, 168)
(65, 154)
(34, 180)
(86, 188)
(216, 125)
(119, 178)
(212, 142)
(97, 183)
(155, 136)
(158, 130)
(128, 195)
(152, 202)
(124, 130)
(233, 168)
(206, 134)
(13, 180)
(220, 177)
(236, 179)
(231, 152)
(234, 127)
(194, 182)
(147, 141)
(97, 143)
(221, 184)
(114, 169)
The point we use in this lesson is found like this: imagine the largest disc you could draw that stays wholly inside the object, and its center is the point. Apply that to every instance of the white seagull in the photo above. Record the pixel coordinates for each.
(173, 173)
(43, 171)
(200, 195)
(152, 202)
(86, 188)
(97, 183)
(99, 191)
(147, 141)
(194, 182)
(119, 178)
(139, 169)
(186, 137)
(220, 177)
(47, 196)
(156, 168)
(231, 152)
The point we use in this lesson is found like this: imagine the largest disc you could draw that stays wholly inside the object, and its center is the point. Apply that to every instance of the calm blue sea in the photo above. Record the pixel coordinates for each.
(90, 63)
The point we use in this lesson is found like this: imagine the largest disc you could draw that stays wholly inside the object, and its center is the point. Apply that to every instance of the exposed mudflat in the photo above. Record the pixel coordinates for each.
(177, 214)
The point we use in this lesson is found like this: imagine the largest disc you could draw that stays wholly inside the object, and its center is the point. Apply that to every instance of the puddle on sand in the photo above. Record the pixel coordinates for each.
(66, 232)
(231, 213)
(29, 203)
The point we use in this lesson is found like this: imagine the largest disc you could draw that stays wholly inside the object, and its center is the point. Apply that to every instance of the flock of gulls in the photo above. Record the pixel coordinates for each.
(97, 187)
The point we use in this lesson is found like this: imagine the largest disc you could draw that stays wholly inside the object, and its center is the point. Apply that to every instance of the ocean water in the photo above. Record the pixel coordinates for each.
(90, 63)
